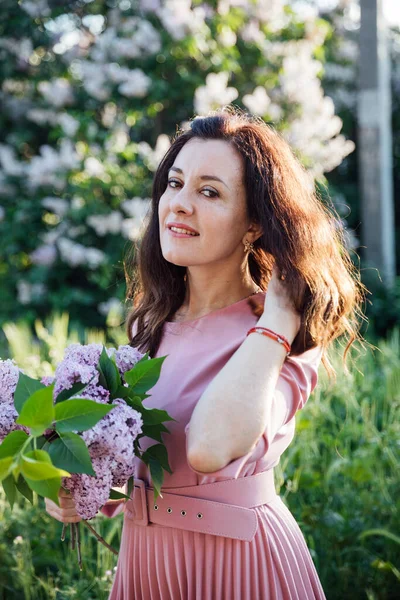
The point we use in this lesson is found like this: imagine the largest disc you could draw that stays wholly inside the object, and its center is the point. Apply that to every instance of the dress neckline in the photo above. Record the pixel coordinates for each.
(217, 311)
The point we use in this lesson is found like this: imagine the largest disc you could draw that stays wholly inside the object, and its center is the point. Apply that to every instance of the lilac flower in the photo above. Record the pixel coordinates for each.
(79, 365)
(8, 415)
(115, 433)
(90, 492)
(110, 445)
(96, 393)
(9, 375)
(127, 357)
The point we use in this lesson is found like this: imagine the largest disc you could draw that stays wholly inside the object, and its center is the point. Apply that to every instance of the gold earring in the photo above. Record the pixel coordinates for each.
(248, 246)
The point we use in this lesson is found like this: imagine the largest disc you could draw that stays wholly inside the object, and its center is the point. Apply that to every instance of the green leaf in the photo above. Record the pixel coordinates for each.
(159, 453)
(114, 495)
(109, 374)
(5, 466)
(48, 488)
(157, 476)
(13, 443)
(150, 416)
(24, 488)
(38, 412)
(154, 431)
(10, 489)
(26, 386)
(37, 465)
(122, 391)
(70, 452)
(79, 414)
(73, 391)
(144, 374)
(130, 484)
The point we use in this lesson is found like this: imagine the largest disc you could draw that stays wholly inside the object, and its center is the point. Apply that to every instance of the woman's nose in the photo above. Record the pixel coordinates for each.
(181, 201)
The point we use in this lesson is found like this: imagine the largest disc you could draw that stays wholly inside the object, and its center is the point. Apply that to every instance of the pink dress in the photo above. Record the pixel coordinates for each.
(158, 562)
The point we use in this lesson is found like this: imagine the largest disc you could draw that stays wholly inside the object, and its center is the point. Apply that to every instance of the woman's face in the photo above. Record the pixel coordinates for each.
(215, 209)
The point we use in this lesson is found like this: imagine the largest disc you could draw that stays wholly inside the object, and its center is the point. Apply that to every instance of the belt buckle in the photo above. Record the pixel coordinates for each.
(141, 485)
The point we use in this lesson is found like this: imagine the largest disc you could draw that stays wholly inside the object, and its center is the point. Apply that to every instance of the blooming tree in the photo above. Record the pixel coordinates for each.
(92, 93)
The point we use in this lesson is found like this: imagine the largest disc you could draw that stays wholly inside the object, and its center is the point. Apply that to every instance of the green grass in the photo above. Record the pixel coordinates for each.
(339, 478)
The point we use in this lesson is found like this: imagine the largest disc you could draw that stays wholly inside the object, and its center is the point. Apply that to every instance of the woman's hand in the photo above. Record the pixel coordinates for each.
(277, 300)
(66, 512)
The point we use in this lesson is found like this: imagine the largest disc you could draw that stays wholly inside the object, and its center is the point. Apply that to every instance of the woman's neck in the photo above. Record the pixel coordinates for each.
(191, 309)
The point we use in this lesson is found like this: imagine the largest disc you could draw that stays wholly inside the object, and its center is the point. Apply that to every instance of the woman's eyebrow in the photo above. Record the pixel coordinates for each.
(210, 177)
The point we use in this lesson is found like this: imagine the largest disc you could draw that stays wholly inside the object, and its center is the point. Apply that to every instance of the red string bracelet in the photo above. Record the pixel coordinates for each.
(271, 334)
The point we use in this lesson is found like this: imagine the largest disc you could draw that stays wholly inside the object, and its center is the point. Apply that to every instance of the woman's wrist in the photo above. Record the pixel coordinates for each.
(283, 322)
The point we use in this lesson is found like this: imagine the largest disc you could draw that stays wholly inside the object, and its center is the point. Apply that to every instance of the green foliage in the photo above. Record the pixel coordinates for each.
(339, 478)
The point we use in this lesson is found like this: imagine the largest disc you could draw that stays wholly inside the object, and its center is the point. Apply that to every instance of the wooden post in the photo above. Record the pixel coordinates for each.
(375, 144)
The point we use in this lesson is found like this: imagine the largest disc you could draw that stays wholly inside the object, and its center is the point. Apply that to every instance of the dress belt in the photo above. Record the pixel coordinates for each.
(222, 508)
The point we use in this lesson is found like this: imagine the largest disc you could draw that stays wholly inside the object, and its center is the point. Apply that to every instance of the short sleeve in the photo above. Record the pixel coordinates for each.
(296, 381)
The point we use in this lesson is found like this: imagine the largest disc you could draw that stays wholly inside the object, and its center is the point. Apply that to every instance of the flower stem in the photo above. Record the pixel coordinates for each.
(72, 536)
(64, 529)
(100, 539)
(78, 546)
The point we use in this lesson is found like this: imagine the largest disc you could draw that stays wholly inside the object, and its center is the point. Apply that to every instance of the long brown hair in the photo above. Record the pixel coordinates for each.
(303, 236)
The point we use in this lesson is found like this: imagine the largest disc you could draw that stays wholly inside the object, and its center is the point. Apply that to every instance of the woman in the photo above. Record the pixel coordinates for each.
(236, 239)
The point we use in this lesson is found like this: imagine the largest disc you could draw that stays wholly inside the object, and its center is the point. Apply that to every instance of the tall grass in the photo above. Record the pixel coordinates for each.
(339, 477)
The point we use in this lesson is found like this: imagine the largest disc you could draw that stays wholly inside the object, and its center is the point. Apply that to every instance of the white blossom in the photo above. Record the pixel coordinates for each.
(29, 291)
(180, 20)
(149, 5)
(258, 102)
(69, 124)
(112, 305)
(214, 94)
(104, 224)
(94, 257)
(37, 8)
(131, 229)
(77, 202)
(58, 206)
(136, 85)
(136, 207)
(93, 167)
(144, 39)
(9, 163)
(117, 141)
(76, 254)
(45, 254)
(50, 167)
(57, 92)
(152, 157)
(42, 116)
(227, 37)
(21, 48)
(251, 32)
(94, 79)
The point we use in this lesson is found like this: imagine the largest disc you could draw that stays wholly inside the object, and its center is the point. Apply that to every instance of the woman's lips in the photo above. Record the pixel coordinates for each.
(181, 235)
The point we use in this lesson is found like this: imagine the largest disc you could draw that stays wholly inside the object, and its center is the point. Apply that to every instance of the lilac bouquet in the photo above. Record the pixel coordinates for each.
(81, 429)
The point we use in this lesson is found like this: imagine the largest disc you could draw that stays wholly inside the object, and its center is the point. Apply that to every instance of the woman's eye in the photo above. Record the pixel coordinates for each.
(172, 181)
(214, 193)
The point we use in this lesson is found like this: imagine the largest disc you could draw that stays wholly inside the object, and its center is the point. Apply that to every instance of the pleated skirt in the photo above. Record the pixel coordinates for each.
(165, 563)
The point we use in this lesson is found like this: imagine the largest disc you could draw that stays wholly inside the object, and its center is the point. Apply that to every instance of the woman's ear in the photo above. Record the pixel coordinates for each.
(255, 231)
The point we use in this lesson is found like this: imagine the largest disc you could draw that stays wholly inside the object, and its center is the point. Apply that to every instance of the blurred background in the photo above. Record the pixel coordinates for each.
(91, 93)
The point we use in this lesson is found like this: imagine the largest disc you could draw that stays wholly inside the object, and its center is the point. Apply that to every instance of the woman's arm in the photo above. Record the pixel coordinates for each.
(232, 413)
